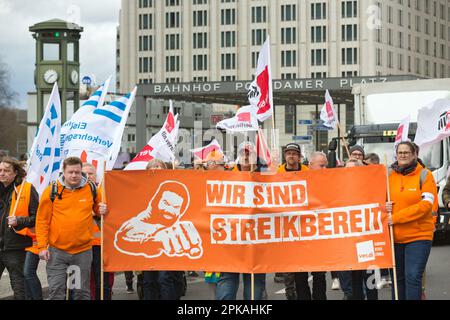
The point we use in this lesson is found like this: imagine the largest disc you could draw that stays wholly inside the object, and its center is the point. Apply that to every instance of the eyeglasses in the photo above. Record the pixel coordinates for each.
(356, 154)
(406, 153)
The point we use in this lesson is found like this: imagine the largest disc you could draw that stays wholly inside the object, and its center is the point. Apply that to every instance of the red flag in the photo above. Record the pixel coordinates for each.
(260, 91)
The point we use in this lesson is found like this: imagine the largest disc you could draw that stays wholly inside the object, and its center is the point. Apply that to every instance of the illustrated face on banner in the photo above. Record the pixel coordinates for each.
(168, 208)
(159, 229)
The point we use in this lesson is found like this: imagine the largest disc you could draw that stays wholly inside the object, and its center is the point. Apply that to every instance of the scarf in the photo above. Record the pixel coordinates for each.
(405, 170)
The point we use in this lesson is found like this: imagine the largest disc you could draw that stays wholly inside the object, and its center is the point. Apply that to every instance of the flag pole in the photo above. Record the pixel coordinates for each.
(253, 286)
(391, 233)
(343, 138)
(102, 280)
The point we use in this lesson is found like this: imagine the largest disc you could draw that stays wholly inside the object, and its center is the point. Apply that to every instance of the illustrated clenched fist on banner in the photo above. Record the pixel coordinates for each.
(158, 229)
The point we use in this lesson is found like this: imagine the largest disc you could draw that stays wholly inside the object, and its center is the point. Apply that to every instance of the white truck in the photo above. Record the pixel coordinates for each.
(379, 108)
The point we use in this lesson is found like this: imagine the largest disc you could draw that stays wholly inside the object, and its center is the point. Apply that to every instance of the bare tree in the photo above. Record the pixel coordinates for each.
(7, 95)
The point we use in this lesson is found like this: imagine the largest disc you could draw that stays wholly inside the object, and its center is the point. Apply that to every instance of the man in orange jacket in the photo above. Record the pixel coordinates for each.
(64, 231)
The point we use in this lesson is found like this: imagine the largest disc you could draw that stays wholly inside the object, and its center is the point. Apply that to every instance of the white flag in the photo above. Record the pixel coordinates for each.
(244, 120)
(97, 137)
(45, 156)
(433, 123)
(203, 153)
(402, 131)
(161, 146)
(97, 99)
(260, 93)
(328, 115)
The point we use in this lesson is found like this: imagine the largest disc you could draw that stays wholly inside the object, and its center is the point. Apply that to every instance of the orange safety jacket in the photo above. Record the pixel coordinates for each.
(22, 206)
(412, 211)
(282, 168)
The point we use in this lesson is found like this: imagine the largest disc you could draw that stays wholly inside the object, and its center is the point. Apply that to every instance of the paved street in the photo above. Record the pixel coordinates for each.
(438, 283)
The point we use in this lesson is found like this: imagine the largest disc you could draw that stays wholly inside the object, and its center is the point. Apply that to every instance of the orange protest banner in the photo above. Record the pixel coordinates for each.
(322, 220)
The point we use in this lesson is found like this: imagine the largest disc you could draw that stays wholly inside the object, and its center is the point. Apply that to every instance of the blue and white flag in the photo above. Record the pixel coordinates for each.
(97, 99)
(96, 138)
(45, 156)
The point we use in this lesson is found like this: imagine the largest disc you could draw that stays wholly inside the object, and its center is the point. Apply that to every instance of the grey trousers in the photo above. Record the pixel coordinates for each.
(73, 269)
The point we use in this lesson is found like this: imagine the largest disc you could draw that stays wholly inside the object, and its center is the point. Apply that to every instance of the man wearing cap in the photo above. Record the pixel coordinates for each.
(292, 155)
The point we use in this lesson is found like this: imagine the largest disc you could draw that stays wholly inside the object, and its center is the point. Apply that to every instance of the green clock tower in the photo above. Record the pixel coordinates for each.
(57, 60)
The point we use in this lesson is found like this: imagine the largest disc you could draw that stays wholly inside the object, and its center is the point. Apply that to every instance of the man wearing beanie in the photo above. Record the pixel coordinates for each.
(357, 152)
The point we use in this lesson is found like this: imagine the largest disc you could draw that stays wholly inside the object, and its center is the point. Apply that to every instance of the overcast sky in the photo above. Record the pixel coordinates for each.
(99, 18)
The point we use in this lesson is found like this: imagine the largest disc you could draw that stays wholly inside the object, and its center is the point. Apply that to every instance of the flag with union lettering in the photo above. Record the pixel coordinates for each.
(45, 155)
(260, 91)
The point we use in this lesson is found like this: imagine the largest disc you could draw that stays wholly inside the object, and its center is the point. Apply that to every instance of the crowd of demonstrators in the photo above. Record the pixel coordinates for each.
(412, 220)
(64, 239)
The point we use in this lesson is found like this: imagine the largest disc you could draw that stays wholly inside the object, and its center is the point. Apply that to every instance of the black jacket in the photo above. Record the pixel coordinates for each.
(9, 239)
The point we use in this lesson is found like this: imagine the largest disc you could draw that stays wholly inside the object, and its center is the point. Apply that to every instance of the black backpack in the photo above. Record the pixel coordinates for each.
(54, 192)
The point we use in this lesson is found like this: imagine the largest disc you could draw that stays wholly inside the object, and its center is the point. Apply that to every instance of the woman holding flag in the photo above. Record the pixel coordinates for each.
(19, 202)
(411, 207)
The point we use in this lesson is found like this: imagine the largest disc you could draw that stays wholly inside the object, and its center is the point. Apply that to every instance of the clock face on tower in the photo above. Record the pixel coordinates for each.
(74, 77)
(50, 76)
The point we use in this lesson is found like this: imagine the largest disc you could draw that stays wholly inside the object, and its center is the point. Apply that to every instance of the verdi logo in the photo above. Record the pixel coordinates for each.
(365, 251)
(444, 121)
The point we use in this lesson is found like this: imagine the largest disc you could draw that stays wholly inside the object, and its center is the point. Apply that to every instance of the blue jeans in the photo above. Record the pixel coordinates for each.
(162, 285)
(33, 287)
(228, 286)
(411, 260)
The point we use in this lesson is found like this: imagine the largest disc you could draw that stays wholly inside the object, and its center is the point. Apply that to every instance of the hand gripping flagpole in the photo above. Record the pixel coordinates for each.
(17, 200)
(391, 232)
